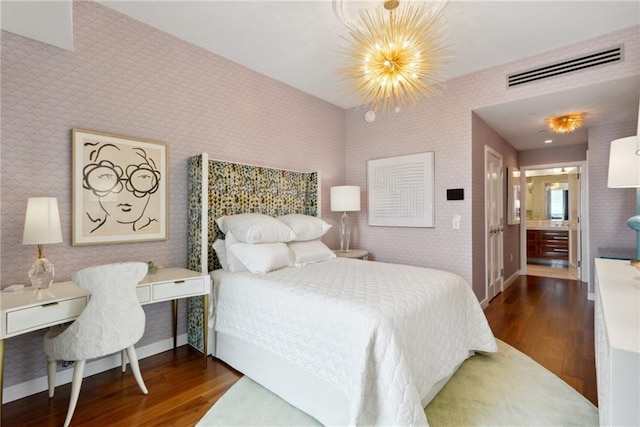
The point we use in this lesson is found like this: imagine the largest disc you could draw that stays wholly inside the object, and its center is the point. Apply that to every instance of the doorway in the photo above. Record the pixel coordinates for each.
(552, 232)
(494, 222)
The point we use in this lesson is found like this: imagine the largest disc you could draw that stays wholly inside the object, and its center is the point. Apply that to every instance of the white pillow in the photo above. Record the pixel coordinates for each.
(305, 227)
(256, 228)
(310, 251)
(233, 262)
(261, 258)
(221, 253)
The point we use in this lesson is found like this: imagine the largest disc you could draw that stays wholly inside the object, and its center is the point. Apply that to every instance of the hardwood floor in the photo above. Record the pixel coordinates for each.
(180, 393)
(548, 319)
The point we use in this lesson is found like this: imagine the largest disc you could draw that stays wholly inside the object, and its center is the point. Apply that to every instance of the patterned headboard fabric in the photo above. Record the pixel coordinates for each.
(233, 188)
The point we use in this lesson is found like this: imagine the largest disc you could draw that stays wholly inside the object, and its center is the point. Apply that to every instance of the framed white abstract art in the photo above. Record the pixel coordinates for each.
(400, 191)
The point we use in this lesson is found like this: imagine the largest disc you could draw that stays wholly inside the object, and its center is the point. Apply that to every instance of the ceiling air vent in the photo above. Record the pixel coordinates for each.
(596, 59)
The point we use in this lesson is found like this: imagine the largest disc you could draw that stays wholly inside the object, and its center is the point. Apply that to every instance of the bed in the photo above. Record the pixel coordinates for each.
(349, 342)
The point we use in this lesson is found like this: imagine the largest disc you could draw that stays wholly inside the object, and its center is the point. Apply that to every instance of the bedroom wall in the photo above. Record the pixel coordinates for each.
(609, 208)
(127, 78)
(443, 124)
(552, 155)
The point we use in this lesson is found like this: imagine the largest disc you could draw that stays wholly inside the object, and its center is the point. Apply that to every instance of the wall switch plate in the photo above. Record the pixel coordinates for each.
(456, 222)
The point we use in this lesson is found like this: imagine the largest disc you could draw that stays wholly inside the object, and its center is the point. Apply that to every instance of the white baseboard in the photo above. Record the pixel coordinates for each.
(38, 385)
(591, 296)
(485, 302)
(511, 279)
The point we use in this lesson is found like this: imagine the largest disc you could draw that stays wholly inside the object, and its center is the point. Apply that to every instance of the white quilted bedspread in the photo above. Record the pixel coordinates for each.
(381, 333)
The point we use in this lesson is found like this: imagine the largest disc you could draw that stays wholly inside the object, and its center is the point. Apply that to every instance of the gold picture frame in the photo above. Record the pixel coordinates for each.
(120, 189)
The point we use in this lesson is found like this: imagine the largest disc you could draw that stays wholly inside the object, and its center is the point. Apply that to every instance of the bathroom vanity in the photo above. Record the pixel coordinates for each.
(548, 243)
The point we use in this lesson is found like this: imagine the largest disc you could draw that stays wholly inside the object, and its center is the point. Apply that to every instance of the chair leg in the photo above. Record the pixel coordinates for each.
(76, 383)
(51, 376)
(133, 361)
(123, 356)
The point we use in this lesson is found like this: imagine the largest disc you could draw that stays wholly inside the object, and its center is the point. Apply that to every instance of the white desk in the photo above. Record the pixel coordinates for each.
(173, 284)
(28, 310)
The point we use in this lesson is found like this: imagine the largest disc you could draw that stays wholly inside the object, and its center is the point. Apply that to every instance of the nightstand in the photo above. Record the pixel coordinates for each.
(353, 253)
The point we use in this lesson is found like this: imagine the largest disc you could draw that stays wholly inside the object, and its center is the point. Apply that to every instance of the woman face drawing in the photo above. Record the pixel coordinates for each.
(123, 179)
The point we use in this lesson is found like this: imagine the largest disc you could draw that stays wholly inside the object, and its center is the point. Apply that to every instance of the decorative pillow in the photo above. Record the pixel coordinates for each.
(310, 251)
(261, 258)
(221, 253)
(256, 228)
(305, 227)
(233, 262)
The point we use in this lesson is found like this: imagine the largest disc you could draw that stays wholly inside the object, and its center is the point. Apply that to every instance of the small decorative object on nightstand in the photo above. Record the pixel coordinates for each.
(353, 253)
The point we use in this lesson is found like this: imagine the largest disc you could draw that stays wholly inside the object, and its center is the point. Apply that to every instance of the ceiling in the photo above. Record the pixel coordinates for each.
(297, 43)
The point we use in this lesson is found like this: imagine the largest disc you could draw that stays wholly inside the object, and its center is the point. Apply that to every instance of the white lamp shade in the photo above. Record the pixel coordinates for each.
(345, 198)
(624, 163)
(42, 222)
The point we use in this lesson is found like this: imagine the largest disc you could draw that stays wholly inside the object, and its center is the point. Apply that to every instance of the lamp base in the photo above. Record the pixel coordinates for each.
(41, 274)
(345, 232)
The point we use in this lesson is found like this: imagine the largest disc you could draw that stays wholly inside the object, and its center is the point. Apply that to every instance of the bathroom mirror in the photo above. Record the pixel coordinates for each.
(548, 198)
(513, 196)
(557, 201)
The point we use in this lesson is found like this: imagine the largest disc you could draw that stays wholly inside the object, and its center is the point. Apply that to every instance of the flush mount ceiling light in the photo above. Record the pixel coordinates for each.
(566, 123)
(395, 55)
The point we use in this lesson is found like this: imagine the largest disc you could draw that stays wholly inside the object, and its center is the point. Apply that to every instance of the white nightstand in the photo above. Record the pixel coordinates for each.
(353, 253)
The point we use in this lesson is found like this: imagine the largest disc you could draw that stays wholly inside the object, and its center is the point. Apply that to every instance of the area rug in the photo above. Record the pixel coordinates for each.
(506, 388)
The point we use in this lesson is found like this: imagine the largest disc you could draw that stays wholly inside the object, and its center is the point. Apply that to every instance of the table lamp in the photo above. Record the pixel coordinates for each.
(345, 198)
(624, 172)
(42, 226)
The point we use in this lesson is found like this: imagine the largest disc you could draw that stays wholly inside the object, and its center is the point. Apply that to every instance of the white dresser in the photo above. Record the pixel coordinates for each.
(617, 342)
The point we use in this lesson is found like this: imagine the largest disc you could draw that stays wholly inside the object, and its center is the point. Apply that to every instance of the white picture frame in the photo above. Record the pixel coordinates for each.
(400, 191)
(513, 196)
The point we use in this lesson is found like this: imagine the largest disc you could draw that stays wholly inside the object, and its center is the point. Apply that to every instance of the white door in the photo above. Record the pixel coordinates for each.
(575, 254)
(494, 221)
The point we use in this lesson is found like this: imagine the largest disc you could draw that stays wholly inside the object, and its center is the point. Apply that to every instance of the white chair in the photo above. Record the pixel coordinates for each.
(113, 321)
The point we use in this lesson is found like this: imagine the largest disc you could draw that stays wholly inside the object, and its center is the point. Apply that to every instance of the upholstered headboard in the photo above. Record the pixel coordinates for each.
(218, 188)
(233, 188)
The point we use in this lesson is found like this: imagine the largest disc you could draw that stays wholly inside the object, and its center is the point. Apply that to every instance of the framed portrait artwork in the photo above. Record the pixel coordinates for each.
(119, 189)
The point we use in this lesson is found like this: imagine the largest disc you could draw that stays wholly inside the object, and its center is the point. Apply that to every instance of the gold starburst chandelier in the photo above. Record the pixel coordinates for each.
(566, 123)
(396, 55)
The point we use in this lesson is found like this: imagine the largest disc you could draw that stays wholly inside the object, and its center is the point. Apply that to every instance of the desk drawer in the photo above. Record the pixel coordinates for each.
(179, 289)
(44, 315)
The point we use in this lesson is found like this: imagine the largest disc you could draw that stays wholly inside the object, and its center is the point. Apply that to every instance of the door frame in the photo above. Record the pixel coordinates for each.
(500, 288)
(585, 265)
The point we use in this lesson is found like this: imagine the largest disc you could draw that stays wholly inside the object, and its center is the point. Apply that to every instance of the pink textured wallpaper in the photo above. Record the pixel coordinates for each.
(443, 124)
(551, 155)
(609, 208)
(127, 78)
